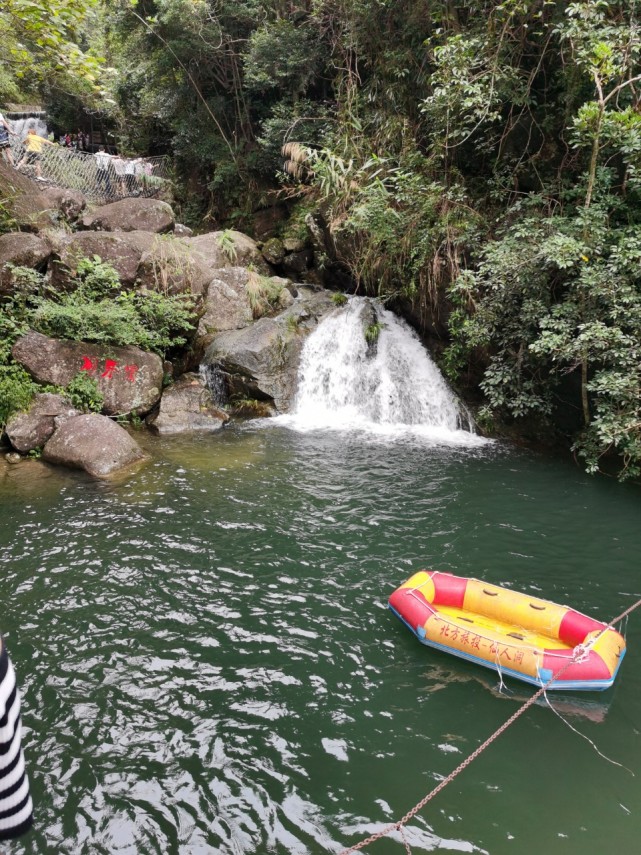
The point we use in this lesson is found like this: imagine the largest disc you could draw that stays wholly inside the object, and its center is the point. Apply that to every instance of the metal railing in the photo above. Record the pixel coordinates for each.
(98, 181)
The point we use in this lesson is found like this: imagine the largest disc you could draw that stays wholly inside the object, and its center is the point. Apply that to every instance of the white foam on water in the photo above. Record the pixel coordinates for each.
(390, 390)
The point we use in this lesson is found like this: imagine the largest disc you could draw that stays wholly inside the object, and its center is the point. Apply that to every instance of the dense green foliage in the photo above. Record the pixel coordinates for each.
(97, 309)
(16, 391)
(220, 85)
(16, 387)
(45, 49)
(83, 393)
(554, 296)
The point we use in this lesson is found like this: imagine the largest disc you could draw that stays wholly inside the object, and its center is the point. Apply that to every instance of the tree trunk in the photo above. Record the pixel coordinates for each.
(585, 403)
(594, 159)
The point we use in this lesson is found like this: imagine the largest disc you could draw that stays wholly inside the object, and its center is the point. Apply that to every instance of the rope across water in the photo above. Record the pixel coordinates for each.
(579, 651)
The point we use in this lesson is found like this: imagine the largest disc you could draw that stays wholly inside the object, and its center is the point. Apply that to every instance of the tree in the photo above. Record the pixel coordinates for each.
(607, 47)
(42, 47)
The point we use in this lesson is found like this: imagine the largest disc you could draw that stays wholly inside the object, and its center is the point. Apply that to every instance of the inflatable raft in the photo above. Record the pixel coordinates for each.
(513, 633)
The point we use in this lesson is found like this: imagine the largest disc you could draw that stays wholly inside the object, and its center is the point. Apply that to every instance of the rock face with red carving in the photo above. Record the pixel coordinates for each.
(33, 428)
(93, 443)
(129, 379)
(187, 406)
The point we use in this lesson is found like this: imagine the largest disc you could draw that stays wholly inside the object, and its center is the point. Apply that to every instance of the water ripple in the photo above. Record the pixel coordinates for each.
(208, 664)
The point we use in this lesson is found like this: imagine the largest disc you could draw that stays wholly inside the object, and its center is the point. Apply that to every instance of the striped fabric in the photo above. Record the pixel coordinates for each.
(15, 801)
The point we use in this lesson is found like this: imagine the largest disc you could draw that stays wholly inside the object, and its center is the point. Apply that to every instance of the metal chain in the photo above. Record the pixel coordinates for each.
(398, 826)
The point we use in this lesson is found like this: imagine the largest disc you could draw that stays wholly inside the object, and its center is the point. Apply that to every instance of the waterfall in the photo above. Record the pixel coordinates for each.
(23, 121)
(386, 385)
(214, 380)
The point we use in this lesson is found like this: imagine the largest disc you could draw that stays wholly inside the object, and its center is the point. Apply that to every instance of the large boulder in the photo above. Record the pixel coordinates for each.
(130, 379)
(228, 249)
(227, 304)
(22, 250)
(33, 428)
(273, 251)
(238, 296)
(187, 406)
(261, 361)
(31, 204)
(93, 443)
(131, 214)
(172, 267)
(123, 251)
(69, 203)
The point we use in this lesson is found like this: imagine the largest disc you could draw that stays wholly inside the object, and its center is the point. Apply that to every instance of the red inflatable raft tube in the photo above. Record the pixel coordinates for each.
(511, 632)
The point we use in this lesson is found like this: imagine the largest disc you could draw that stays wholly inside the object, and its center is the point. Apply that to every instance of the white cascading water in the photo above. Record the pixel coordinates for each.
(390, 388)
(21, 125)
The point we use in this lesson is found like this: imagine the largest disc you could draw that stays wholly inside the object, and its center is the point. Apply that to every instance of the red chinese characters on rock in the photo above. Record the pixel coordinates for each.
(110, 368)
(131, 371)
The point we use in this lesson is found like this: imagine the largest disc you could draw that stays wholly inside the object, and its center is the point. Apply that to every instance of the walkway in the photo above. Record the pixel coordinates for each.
(78, 170)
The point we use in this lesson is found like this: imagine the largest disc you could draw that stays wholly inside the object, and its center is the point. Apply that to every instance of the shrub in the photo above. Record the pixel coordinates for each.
(84, 394)
(99, 311)
(373, 331)
(75, 317)
(263, 293)
(166, 320)
(16, 391)
(228, 245)
(98, 279)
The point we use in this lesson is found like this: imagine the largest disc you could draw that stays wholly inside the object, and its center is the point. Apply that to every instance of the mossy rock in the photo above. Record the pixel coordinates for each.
(273, 251)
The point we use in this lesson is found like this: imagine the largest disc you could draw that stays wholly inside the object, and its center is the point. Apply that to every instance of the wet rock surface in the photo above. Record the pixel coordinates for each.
(94, 443)
(31, 429)
(186, 407)
(261, 361)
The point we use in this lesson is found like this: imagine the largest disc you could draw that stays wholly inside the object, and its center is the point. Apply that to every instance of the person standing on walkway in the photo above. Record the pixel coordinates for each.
(103, 171)
(131, 183)
(5, 145)
(33, 154)
(16, 807)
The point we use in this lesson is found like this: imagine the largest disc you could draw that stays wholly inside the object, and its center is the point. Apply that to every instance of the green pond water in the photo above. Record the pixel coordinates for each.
(208, 664)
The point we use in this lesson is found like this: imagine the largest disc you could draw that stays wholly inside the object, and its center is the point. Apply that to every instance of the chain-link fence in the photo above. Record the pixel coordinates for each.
(100, 177)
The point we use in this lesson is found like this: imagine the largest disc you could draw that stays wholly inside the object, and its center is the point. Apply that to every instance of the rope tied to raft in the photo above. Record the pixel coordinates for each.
(581, 653)
(579, 650)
